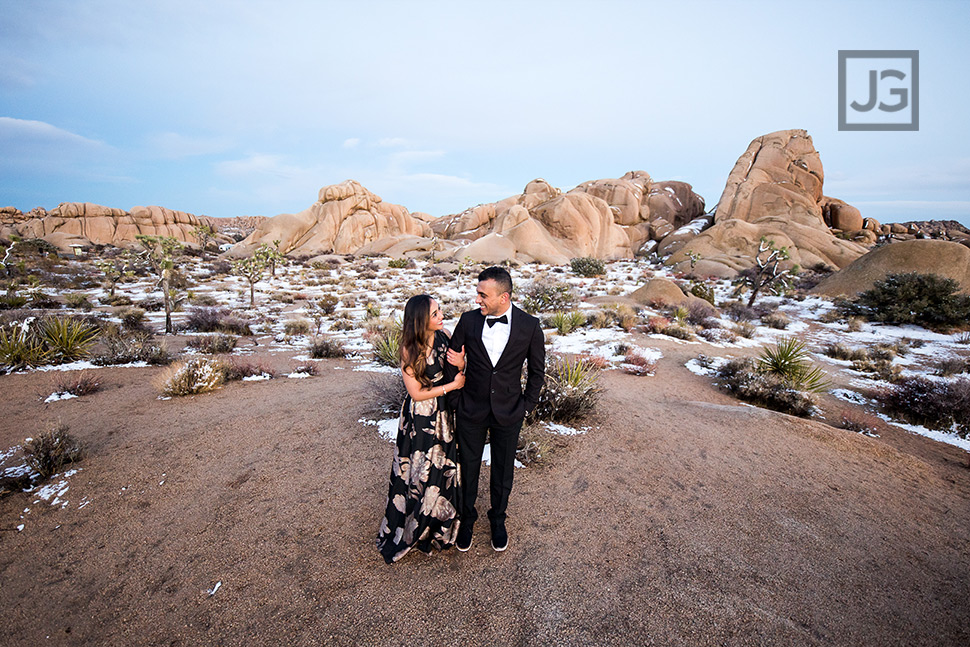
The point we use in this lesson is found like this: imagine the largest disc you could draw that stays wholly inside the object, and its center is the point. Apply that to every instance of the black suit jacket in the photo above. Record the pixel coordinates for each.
(498, 389)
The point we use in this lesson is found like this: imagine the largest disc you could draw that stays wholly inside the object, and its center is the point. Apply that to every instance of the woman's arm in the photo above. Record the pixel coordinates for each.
(419, 393)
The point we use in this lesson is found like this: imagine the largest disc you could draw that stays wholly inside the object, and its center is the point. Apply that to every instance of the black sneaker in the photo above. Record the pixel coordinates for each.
(500, 538)
(464, 541)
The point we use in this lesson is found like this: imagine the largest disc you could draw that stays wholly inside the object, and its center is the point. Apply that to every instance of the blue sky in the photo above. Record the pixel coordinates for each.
(248, 108)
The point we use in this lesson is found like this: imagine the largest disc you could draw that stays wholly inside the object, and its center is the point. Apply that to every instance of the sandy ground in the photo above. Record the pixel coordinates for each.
(682, 518)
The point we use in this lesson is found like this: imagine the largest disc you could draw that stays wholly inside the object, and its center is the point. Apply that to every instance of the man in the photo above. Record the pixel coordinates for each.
(497, 339)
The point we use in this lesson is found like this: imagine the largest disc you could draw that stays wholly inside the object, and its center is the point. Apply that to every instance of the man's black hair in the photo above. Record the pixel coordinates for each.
(498, 274)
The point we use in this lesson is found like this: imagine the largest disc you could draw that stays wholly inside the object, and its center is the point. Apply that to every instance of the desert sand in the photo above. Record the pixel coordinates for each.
(248, 516)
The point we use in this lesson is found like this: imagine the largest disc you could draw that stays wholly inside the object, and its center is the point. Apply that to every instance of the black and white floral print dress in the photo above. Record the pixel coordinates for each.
(422, 497)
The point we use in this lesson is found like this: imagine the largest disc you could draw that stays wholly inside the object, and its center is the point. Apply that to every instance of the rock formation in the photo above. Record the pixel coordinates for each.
(85, 224)
(775, 190)
(345, 218)
(603, 218)
(940, 257)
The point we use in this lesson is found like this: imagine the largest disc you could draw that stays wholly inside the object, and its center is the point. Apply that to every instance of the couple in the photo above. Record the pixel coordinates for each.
(461, 390)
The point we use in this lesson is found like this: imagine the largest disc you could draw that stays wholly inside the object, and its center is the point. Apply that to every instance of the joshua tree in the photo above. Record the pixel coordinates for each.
(117, 268)
(203, 233)
(271, 256)
(251, 269)
(161, 253)
(767, 275)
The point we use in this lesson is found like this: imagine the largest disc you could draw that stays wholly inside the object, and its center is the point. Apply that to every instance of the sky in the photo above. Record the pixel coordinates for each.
(231, 108)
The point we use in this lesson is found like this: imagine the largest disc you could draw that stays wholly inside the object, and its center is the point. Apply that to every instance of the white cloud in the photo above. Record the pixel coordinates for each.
(351, 142)
(29, 131)
(393, 142)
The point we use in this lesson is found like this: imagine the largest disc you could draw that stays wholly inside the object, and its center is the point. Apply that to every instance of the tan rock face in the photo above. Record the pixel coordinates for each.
(948, 259)
(345, 218)
(602, 218)
(87, 223)
(774, 190)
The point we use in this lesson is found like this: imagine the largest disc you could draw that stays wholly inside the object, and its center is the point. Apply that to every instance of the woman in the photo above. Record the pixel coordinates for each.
(422, 498)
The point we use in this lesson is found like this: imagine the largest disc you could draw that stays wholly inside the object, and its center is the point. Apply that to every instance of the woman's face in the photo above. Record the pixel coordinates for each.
(436, 320)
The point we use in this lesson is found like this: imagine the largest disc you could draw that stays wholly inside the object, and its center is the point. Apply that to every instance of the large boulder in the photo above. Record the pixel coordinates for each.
(944, 258)
(774, 191)
(345, 218)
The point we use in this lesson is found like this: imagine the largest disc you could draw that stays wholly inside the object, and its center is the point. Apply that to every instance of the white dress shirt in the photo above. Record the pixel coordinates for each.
(496, 336)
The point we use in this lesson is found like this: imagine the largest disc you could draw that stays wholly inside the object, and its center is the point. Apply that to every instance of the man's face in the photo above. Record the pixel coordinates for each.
(491, 299)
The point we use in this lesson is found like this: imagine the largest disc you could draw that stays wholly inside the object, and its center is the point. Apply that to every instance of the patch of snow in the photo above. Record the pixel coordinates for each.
(257, 378)
(55, 397)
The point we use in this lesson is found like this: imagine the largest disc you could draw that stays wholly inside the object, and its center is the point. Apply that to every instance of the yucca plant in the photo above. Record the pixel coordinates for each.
(788, 359)
(66, 339)
(566, 322)
(571, 391)
(20, 347)
(387, 347)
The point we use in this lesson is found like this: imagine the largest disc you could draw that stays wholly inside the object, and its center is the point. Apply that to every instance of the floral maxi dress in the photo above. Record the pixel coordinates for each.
(422, 497)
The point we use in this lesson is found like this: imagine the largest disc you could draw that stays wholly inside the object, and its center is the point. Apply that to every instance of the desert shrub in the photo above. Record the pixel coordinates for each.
(323, 348)
(587, 266)
(152, 304)
(854, 324)
(952, 366)
(233, 370)
(387, 347)
(219, 267)
(838, 350)
(51, 450)
(831, 316)
(718, 335)
(776, 320)
(788, 360)
(119, 300)
(744, 381)
(635, 363)
(327, 303)
(738, 311)
(859, 422)
(599, 319)
(881, 369)
(296, 327)
(566, 322)
(964, 338)
(400, 263)
(190, 377)
(678, 331)
(213, 344)
(216, 319)
(78, 300)
(703, 291)
(700, 311)
(386, 392)
(745, 329)
(571, 391)
(936, 404)
(119, 347)
(202, 300)
(597, 361)
(132, 318)
(657, 324)
(67, 339)
(12, 302)
(926, 300)
(372, 311)
(881, 352)
(80, 384)
(307, 369)
(547, 296)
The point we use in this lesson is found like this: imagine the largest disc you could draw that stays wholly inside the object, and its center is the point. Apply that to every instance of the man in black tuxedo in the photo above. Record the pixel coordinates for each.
(497, 340)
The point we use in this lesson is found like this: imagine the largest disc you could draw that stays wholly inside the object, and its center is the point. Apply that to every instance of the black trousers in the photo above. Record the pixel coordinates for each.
(471, 443)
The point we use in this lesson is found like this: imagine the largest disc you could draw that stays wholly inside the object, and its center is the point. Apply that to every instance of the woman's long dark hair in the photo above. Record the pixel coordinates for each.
(414, 337)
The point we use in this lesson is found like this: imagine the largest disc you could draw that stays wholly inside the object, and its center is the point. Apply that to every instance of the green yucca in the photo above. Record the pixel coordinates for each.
(387, 348)
(21, 348)
(789, 361)
(67, 339)
(566, 322)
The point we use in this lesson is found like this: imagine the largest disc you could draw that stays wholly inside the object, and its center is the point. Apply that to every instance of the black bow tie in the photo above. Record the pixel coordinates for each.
(502, 320)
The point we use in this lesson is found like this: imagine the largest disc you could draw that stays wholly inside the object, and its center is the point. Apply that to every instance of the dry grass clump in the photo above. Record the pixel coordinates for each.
(118, 347)
(859, 422)
(234, 370)
(386, 393)
(776, 320)
(295, 327)
(52, 449)
(191, 377)
(839, 350)
(635, 363)
(536, 445)
(81, 384)
(323, 348)
(213, 344)
(209, 319)
(700, 311)
(881, 369)
(952, 366)
(745, 329)
(718, 335)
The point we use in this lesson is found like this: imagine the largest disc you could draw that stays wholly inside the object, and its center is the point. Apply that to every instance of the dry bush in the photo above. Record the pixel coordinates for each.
(536, 445)
(295, 327)
(745, 329)
(952, 366)
(119, 347)
(80, 384)
(881, 369)
(700, 311)
(234, 370)
(859, 422)
(635, 363)
(385, 392)
(190, 377)
(308, 369)
(839, 350)
(213, 344)
(776, 320)
(936, 404)
(51, 450)
(744, 381)
(323, 348)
